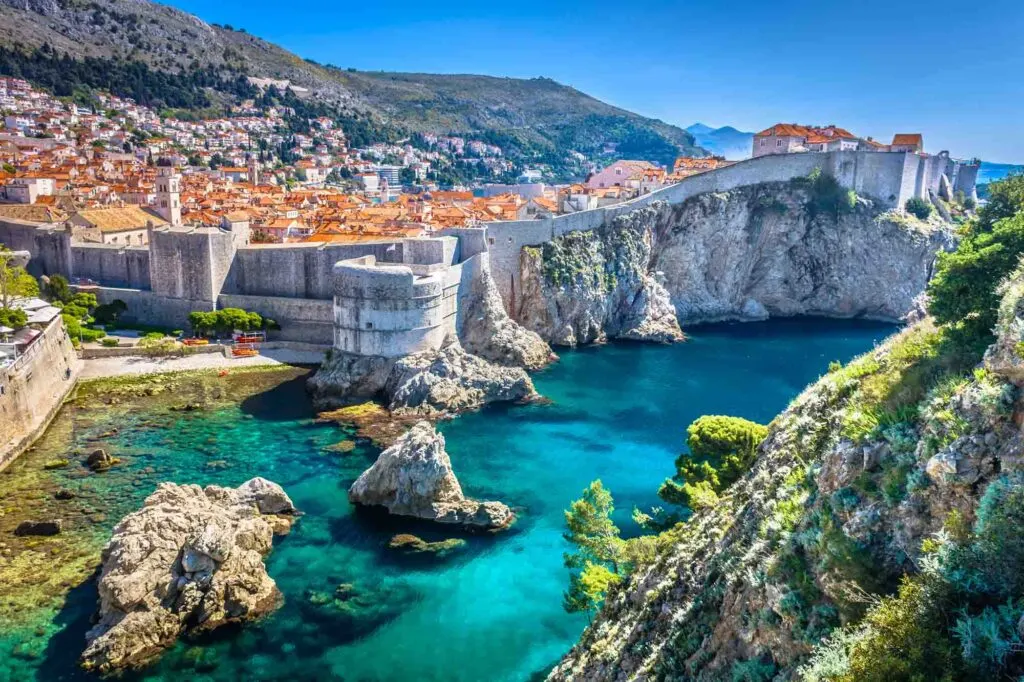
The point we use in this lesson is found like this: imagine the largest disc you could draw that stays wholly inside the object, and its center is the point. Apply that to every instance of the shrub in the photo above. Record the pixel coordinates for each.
(964, 289)
(110, 313)
(110, 342)
(919, 208)
(721, 450)
(828, 196)
(15, 318)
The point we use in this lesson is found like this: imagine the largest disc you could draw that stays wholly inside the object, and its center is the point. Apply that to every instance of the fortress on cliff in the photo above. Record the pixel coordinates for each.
(392, 298)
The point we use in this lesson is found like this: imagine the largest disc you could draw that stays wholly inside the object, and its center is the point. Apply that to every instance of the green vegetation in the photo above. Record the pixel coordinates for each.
(827, 196)
(919, 208)
(594, 564)
(964, 291)
(957, 618)
(227, 320)
(15, 283)
(721, 451)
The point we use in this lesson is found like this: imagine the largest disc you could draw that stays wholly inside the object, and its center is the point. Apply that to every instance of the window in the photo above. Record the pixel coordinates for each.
(369, 325)
(778, 143)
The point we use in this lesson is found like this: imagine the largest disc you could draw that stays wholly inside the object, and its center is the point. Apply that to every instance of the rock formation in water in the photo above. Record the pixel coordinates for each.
(189, 561)
(745, 254)
(452, 381)
(414, 477)
(430, 384)
(488, 332)
(863, 467)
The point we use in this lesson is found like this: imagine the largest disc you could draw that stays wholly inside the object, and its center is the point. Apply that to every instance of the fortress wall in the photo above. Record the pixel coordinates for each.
(298, 270)
(149, 308)
(33, 389)
(181, 264)
(301, 319)
(389, 311)
(471, 241)
(112, 265)
(50, 245)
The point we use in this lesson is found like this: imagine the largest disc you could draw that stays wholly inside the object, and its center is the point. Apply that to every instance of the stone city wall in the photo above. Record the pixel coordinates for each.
(308, 320)
(33, 389)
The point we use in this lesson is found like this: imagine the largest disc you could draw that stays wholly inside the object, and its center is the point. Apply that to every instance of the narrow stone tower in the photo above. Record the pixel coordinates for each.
(168, 194)
(254, 170)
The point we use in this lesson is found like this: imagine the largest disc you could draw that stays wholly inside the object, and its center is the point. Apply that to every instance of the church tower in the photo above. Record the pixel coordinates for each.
(168, 194)
(254, 171)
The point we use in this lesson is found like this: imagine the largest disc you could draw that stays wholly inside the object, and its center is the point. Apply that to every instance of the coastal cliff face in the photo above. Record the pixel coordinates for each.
(745, 254)
(877, 471)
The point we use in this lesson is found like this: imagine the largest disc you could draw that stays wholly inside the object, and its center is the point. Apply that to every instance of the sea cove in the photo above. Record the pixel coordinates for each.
(618, 412)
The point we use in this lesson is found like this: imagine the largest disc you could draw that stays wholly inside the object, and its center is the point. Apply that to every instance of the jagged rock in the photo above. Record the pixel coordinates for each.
(431, 383)
(1006, 356)
(100, 460)
(44, 528)
(486, 330)
(449, 381)
(344, 378)
(414, 477)
(190, 560)
(588, 286)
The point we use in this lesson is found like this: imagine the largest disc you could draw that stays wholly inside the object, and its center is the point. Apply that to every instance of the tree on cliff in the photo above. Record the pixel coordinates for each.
(15, 282)
(599, 549)
(964, 290)
(721, 449)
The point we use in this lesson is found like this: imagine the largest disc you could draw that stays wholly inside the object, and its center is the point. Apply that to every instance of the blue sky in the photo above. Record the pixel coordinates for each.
(951, 70)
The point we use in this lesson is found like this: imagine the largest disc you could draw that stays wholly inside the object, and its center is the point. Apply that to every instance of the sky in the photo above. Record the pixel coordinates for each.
(953, 71)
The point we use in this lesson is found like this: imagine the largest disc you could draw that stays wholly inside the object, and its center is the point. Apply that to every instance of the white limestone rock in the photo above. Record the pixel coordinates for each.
(586, 287)
(487, 331)
(445, 382)
(190, 560)
(744, 254)
(414, 477)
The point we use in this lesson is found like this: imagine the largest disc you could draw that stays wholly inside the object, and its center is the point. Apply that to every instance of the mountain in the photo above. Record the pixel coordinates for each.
(725, 141)
(203, 67)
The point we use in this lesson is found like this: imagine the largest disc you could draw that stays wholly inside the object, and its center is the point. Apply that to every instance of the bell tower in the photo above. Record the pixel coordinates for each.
(168, 194)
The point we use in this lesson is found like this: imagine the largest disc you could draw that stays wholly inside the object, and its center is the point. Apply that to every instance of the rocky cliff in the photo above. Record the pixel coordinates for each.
(770, 249)
(895, 464)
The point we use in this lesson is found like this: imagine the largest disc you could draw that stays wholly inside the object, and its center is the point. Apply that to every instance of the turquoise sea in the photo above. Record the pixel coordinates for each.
(491, 611)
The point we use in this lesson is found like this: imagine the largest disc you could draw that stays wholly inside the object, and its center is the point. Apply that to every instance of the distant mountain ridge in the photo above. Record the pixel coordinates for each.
(725, 141)
(537, 117)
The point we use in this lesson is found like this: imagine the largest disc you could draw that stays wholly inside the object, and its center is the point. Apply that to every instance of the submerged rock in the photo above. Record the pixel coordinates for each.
(412, 544)
(414, 477)
(44, 528)
(190, 560)
(99, 460)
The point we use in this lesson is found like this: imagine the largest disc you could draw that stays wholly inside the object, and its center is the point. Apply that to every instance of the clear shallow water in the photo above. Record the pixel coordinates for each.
(491, 611)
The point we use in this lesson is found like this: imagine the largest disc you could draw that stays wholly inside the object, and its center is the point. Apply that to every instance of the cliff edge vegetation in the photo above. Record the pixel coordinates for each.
(875, 535)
